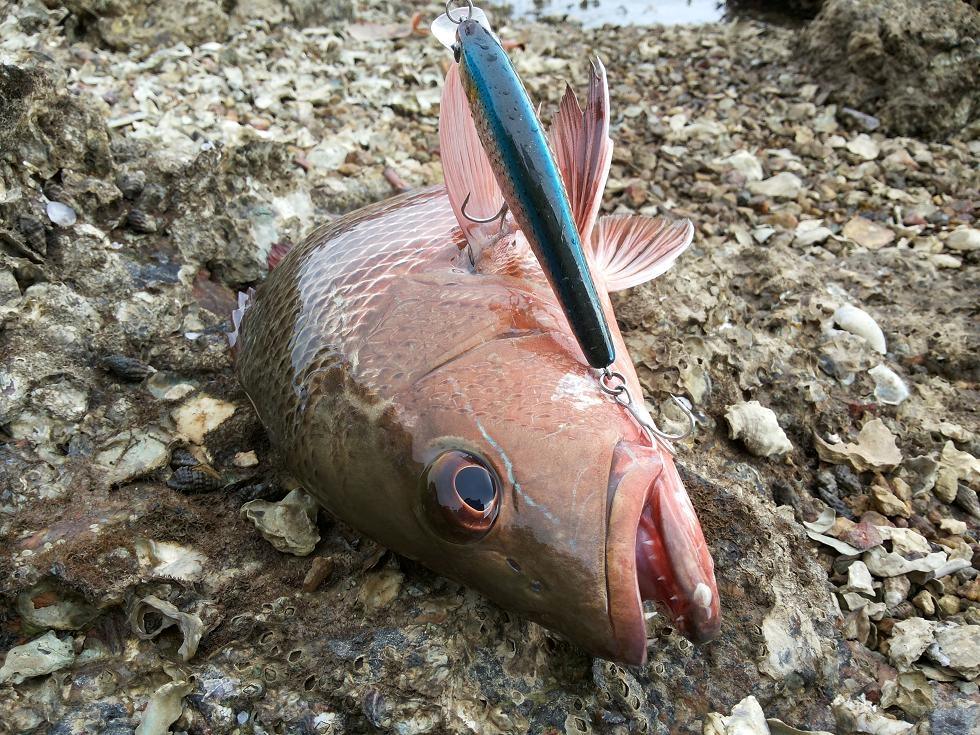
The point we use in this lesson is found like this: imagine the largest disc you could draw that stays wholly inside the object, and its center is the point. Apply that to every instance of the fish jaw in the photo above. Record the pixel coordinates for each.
(656, 551)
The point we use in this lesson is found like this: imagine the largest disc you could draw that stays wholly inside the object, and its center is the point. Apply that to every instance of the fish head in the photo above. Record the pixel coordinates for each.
(538, 489)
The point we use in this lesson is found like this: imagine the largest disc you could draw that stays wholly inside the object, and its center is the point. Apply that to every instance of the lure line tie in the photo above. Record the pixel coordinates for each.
(613, 384)
(449, 12)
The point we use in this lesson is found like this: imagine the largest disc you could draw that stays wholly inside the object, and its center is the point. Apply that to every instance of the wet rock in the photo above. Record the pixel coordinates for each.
(746, 718)
(958, 647)
(164, 708)
(289, 525)
(876, 56)
(201, 414)
(875, 449)
(867, 233)
(37, 658)
(783, 185)
(864, 147)
(964, 239)
(756, 426)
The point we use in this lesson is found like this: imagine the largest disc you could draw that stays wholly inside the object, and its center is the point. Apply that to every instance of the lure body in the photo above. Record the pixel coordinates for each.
(532, 188)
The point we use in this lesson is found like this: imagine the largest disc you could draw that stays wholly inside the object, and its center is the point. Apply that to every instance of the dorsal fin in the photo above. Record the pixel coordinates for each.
(465, 165)
(632, 249)
(583, 150)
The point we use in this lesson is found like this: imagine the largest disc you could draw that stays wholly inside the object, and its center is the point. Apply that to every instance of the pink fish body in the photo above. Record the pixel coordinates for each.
(419, 378)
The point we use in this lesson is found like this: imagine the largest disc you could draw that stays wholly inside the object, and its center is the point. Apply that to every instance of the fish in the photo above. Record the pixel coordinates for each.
(420, 379)
(529, 181)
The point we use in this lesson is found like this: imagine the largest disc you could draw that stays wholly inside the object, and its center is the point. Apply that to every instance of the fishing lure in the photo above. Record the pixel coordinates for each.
(525, 170)
(528, 181)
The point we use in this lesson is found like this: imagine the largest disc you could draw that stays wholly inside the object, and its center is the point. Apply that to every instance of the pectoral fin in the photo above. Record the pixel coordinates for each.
(632, 249)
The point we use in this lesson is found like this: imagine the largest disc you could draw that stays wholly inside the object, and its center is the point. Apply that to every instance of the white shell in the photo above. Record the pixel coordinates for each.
(889, 388)
(61, 214)
(758, 429)
(859, 322)
(289, 525)
(37, 658)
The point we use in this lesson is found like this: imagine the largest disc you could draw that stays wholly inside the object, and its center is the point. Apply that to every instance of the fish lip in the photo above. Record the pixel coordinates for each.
(688, 590)
(641, 477)
(629, 491)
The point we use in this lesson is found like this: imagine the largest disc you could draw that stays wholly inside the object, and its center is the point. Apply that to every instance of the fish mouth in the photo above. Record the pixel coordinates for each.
(656, 551)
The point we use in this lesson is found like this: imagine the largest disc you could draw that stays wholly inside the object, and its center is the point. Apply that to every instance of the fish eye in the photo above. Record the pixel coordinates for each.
(460, 496)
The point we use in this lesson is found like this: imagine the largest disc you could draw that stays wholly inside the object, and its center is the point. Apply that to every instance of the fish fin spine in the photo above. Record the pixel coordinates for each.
(632, 249)
(245, 299)
(583, 149)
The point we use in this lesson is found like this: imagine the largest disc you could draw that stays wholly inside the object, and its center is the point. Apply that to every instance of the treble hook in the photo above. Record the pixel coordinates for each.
(691, 422)
(501, 214)
(614, 384)
(449, 12)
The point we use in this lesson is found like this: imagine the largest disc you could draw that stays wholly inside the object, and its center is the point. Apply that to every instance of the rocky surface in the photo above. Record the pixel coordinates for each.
(914, 66)
(832, 286)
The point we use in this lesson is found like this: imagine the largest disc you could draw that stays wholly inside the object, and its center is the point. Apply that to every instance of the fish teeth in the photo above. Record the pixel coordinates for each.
(702, 595)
